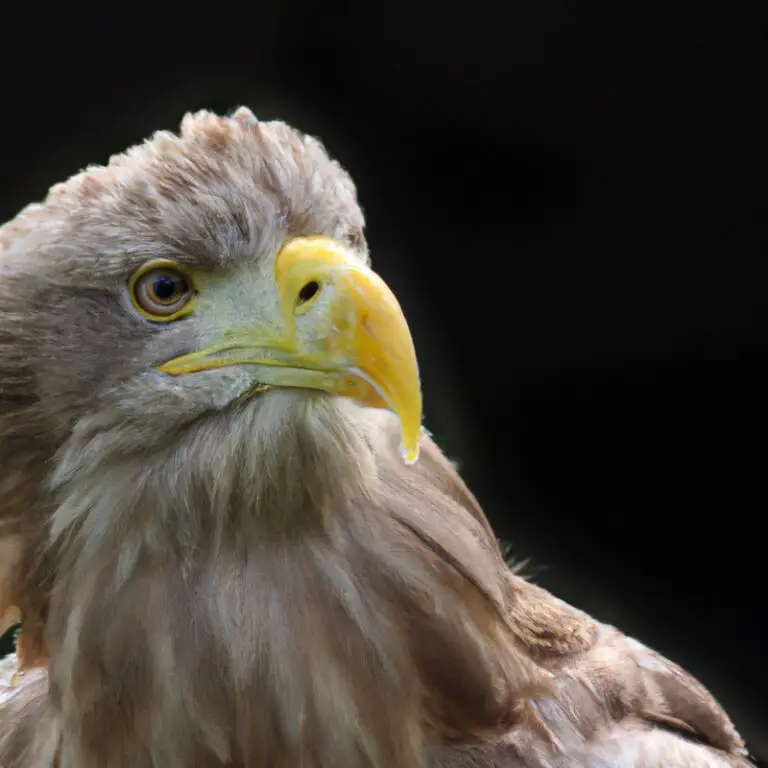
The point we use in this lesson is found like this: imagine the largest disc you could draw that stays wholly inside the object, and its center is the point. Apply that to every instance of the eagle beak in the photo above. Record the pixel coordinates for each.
(341, 331)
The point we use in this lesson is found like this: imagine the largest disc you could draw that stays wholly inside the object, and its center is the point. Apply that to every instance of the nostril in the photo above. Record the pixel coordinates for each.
(308, 291)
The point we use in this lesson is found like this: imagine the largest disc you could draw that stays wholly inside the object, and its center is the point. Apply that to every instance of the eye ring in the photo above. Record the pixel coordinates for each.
(162, 291)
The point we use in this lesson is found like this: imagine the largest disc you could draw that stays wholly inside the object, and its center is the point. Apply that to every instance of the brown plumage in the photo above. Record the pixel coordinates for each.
(217, 575)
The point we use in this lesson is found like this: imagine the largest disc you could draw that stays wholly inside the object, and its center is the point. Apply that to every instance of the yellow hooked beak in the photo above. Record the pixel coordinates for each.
(341, 331)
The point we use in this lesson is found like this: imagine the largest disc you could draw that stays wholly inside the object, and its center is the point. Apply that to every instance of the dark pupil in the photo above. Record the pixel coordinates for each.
(165, 288)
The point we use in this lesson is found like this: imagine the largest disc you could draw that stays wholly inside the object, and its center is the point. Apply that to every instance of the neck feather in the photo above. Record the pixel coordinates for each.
(267, 594)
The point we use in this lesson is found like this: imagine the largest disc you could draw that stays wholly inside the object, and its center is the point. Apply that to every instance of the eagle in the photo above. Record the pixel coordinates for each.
(227, 535)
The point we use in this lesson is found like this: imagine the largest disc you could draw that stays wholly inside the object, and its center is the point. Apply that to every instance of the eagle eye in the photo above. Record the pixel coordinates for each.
(162, 291)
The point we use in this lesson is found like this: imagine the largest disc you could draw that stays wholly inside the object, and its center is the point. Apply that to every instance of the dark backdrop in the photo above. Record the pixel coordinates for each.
(569, 200)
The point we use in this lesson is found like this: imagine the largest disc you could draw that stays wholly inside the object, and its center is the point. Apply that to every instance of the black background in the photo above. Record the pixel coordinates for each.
(569, 200)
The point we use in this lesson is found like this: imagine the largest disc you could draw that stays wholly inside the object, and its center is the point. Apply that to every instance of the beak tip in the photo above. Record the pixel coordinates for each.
(409, 455)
